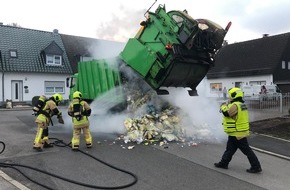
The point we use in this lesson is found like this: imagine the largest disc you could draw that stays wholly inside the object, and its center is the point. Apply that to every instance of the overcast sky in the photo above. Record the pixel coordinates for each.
(119, 20)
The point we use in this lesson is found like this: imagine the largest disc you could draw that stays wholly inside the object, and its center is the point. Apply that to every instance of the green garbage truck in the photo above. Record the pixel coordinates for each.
(171, 49)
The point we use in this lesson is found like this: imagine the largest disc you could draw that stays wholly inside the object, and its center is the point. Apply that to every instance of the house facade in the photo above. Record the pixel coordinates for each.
(32, 63)
(260, 61)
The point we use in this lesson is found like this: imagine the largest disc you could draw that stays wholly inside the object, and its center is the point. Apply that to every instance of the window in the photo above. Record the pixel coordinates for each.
(288, 65)
(257, 82)
(13, 53)
(53, 59)
(283, 65)
(215, 87)
(238, 84)
(52, 87)
(178, 19)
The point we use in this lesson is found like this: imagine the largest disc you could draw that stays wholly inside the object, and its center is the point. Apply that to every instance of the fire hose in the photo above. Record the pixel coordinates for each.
(60, 143)
(3, 145)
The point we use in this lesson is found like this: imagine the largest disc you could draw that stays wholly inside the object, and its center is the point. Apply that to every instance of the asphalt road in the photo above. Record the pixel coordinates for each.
(177, 166)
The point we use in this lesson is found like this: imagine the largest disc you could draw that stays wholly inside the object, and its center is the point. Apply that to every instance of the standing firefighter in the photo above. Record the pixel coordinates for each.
(80, 110)
(45, 109)
(236, 125)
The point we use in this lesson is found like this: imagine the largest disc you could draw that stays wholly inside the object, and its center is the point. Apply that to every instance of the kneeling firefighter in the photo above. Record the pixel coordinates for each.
(80, 110)
(45, 109)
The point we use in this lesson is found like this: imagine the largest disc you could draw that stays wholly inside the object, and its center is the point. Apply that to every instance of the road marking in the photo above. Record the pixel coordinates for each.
(271, 153)
(12, 181)
(274, 137)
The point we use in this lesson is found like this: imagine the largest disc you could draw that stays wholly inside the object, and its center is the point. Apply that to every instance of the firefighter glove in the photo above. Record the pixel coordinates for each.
(87, 112)
(224, 108)
(70, 114)
(60, 119)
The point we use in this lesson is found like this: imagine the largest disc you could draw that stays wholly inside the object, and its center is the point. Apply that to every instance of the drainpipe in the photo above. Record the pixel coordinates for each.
(3, 102)
(1, 60)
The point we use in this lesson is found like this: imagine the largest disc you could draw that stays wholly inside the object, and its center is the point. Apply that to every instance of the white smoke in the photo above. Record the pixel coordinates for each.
(101, 120)
(104, 49)
(202, 119)
(122, 26)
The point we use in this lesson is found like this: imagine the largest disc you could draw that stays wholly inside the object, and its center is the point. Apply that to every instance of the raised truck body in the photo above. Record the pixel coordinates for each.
(171, 49)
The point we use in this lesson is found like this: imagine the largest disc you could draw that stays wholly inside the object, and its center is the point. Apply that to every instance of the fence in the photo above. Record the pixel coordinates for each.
(279, 102)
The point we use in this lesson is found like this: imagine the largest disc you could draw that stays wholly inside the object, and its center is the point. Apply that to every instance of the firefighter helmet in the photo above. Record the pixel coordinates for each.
(77, 94)
(235, 93)
(57, 97)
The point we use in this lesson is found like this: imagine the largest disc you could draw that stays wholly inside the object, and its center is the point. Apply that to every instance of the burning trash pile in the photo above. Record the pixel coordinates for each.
(152, 119)
(155, 127)
(160, 123)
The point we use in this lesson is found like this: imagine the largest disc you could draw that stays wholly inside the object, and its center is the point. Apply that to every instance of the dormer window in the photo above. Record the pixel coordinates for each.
(13, 53)
(53, 59)
(53, 54)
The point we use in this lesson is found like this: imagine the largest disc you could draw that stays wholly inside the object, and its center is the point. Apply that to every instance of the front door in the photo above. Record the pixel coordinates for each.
(17, 90)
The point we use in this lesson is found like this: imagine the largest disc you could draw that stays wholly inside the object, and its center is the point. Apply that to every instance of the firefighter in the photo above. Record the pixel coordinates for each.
(236, 126)
(45, 109)
(80, 110)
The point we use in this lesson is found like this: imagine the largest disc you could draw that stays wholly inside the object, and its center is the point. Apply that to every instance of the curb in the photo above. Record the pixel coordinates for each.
(272, 153)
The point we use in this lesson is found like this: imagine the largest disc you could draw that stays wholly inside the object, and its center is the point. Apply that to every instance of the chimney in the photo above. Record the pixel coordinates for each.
(55, 31)
(265, 35)
(1, 23)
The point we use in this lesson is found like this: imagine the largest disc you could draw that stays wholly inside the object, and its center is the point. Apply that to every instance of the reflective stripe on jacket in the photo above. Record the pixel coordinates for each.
(240, 125)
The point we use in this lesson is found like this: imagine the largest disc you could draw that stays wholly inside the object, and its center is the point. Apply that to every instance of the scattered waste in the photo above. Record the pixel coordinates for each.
(131, 147)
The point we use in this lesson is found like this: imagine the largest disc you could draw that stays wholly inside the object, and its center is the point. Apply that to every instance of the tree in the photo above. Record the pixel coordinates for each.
(14, 24)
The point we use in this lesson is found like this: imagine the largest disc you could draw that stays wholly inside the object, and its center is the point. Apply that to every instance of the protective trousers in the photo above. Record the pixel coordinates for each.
(41, 135)
(76, 137)
(233, 144)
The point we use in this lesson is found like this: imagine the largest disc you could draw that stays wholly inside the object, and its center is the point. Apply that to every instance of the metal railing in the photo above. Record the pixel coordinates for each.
(279, 102)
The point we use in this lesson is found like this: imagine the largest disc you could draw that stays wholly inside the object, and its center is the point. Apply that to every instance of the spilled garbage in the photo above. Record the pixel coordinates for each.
(154, 127)
(149, 119)
(159, 124)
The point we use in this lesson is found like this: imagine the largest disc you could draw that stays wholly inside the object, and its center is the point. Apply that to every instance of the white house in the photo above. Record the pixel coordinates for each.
(32, 63)
(260, 61)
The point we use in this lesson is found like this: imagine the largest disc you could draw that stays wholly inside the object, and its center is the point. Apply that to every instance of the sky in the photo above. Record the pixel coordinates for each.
(118, 20)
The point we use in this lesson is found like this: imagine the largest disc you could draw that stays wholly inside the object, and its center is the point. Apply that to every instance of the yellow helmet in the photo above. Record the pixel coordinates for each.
(57, 97)
(235, 93)
(77, 94)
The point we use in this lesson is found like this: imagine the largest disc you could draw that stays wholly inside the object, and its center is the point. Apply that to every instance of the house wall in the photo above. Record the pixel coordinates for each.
(34, 82)
(205, 86)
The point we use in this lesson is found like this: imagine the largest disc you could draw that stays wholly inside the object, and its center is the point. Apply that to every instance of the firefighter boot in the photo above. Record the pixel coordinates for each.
(254, 170)
(46, 143)
(37, 148)
(89, 145)
(75, 147)
(221, 165)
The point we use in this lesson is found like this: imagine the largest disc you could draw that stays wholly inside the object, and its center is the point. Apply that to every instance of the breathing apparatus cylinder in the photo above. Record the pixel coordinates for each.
(77, 109)
(39, 104)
